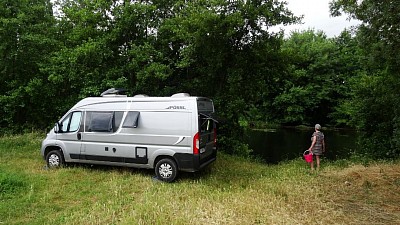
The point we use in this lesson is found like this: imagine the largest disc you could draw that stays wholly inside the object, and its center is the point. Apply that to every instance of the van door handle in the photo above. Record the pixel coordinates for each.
(79, 136)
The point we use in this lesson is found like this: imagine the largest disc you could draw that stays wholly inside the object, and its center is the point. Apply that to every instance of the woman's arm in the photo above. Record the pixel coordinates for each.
(314, 140)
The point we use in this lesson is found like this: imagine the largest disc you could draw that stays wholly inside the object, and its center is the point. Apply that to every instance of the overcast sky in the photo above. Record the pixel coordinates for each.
(317, 16)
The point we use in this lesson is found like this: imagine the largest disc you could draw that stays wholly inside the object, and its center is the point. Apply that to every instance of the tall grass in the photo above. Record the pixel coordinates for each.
(232, 191)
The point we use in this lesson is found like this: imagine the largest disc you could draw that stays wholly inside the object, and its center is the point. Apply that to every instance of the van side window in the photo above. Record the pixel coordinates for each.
(99, 121)
(117, 120)
(103, 121)
(131, 120)
(71, 122)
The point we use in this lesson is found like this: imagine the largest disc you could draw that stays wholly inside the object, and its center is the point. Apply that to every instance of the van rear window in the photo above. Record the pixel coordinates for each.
(205, 105)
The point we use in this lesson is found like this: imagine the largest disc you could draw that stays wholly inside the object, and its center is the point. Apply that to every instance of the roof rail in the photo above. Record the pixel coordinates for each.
(180, 95)
(113, 91)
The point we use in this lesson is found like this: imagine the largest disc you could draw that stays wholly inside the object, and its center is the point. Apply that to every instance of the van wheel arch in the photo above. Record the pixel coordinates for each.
(52, 148)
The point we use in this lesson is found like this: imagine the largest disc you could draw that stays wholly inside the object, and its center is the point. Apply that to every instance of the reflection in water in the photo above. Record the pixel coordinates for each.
(275, 145)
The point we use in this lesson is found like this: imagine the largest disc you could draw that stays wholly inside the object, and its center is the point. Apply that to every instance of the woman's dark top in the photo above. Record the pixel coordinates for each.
(317, 149)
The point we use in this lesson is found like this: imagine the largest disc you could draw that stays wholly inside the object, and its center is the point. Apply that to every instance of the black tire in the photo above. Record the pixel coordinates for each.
(55, 159)
(166, 170)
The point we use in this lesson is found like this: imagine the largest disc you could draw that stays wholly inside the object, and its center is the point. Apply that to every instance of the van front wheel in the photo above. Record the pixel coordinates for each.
(54, 159)
(166, 170)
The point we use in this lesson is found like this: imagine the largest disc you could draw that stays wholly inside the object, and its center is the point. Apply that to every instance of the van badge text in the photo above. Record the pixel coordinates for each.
(176, 107)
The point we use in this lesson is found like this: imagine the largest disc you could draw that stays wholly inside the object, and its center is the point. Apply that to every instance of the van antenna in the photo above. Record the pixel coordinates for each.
(113, 91)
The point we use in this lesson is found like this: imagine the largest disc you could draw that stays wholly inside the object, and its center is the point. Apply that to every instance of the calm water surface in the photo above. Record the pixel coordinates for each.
(275, 145)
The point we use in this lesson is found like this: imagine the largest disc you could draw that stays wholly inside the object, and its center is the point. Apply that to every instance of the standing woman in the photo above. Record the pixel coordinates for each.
(317, 145)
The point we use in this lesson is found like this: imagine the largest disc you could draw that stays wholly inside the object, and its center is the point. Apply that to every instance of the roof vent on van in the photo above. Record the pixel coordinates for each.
(113, 92)
(180, 95)
(140, 96)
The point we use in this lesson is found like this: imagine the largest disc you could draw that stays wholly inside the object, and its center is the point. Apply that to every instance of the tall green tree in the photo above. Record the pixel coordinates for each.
(317, 79)
(377, 96)
(215, 48)
(349, 65)
(27, 39)
(109, 44)
(220, 49)
(223, 49)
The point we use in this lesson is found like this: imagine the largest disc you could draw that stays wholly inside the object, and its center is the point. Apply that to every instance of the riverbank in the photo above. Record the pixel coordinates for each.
(231, 191)
(277, 145)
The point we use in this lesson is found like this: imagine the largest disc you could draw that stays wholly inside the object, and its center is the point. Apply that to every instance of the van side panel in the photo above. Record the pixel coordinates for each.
(165, 125)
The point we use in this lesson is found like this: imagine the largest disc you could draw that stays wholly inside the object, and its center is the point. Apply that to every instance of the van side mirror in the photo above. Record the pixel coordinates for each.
(58, 128)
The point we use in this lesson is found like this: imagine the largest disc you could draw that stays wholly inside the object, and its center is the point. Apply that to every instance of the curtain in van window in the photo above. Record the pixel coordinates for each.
(131, 120)
(101, 121)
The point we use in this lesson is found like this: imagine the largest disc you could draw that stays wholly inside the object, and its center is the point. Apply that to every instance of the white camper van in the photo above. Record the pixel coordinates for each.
(169, 134)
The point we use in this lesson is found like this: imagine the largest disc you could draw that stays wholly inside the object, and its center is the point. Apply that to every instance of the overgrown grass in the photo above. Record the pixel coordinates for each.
(232, 191)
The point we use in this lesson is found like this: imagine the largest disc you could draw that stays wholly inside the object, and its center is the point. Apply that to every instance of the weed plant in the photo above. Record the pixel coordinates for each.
(233, 190)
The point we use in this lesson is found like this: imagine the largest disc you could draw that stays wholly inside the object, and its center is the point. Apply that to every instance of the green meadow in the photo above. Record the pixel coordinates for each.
(231, 191)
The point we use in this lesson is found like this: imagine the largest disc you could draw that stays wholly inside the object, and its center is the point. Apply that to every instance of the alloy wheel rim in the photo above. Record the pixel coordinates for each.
(54, 160)
(165, 170)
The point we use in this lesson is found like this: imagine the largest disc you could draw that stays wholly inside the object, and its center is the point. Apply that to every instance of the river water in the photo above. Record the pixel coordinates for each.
(275, 145)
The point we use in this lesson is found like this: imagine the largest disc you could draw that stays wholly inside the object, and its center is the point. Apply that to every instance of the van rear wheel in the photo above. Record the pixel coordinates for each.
(166, 170)
(54, 159)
